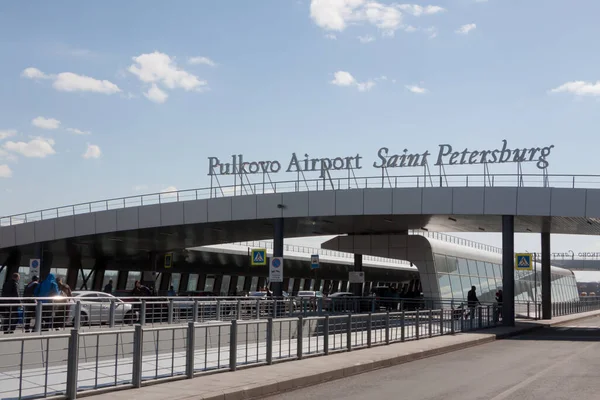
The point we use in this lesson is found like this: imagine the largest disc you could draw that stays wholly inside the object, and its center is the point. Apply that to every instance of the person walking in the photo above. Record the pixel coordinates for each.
(10, 313)
(48, 288)
(63, 310)
(472, 301)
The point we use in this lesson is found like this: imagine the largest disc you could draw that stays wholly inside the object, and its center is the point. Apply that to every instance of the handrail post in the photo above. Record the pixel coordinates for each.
(430, 322)
(138, 346)
(143, 313)
(326, 335)
(387, 327)
(299, 335)
(349, 333)
(442, 321)
(269, 341)
(196, 309)
(417, 327)
(452, 319)
(190, 351)
(38, 316)
(111, 313)
(72, 364)
(233, 346)
(77, 316)
(369, 329)
(170, 312)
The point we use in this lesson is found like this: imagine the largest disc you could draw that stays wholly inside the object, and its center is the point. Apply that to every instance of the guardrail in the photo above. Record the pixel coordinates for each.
(407, 181)
(68, 364)
(42, 315)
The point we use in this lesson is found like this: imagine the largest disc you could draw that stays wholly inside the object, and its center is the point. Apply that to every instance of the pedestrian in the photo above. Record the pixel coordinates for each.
(109, 287)
(472, 301)
(29, 308)
(10, 312)
(62, 311)
(47, 289)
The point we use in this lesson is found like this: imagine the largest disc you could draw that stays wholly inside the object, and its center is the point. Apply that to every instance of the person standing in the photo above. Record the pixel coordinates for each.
(29, 309)
(48, 288)
(10, 289)
(109, 287)
(472, 301)
(63, 310)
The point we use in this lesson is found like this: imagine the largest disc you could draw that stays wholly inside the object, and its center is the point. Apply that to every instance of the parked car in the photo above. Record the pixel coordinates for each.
(95, 309)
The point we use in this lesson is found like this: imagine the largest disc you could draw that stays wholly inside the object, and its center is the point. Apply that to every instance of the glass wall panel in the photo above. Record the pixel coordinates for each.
(456, 287)
(452, 264)
(445, 288)
(466, 285)
(473, 268)
(192, 282)
(440, 263)
(489, 269)
(463, 268)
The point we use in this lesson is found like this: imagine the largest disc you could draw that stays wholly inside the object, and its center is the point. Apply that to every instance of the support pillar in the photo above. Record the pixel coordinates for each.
(546, 277)
(277, 287)
(357, 288)
(508, 270)
(12, 264)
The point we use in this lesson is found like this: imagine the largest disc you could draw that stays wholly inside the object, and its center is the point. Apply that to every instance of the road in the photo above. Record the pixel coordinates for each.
(552, 364)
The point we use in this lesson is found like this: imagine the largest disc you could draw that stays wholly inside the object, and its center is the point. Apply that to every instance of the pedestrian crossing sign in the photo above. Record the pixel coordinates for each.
(258, 257)
(523, 262)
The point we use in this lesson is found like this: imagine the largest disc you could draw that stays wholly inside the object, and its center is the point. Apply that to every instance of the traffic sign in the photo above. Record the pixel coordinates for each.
(314, 261)
(168, 260)
(34, 267)
(276, 270)
(523, 262)
(258, 257)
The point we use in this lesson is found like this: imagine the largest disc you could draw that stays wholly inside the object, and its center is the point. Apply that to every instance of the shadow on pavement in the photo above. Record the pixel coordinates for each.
(562, 333)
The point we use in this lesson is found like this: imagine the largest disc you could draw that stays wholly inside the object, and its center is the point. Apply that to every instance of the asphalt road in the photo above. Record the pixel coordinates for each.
(552, 364)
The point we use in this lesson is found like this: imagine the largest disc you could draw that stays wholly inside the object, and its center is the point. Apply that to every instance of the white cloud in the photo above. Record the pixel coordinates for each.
(36, 148)
(465, 29)
(5, 171)
(366, 39)
(34, 73)
(343, 78)
(336, 15)
(139, 188)
(416, 89)
(365, 86)
(579, 88)
(160, 68)
(45, 123)
(202, 61)
(79, 131)
(169, 192)
(93, 151)
(330, 36)
(410, 29)
(432, 32)
(417, 10)
(70, 82)
(4, 134)
(156, 95)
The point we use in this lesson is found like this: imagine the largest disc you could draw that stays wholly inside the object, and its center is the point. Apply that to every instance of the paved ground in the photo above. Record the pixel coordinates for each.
(553, 363)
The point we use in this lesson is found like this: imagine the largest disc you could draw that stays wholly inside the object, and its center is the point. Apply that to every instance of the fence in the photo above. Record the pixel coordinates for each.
(69, 363)
(52, 314)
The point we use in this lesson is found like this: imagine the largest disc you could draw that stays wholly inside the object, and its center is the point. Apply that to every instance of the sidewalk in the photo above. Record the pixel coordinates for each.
(271, 379)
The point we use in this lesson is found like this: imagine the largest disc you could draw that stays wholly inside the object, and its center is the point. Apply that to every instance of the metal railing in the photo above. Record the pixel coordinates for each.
(40, 316)
(78, 361)
(409, 181)
(568, 308)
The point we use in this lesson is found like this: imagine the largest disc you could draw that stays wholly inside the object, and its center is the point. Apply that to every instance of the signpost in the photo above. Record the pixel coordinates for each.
(276, 270)
(523, 262)
(34, 267)
(314, 261)
(258, 257)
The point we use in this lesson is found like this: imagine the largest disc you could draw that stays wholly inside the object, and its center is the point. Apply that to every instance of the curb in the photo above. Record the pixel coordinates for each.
(274, 388)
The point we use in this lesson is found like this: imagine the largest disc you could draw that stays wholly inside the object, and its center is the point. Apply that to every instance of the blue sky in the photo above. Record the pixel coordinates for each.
(109, 99)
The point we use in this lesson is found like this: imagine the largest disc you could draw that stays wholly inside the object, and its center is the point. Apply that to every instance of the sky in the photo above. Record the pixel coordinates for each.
(111, 99)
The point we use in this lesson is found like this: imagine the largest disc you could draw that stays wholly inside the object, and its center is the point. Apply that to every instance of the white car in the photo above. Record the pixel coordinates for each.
(95, 309)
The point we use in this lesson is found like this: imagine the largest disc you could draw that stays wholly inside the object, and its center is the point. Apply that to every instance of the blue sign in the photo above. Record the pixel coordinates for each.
(258, 257)
(276, 263)
(314, 261)
(35, 263)
(523, 261)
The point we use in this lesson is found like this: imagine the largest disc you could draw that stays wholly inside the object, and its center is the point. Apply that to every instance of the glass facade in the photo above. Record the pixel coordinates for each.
(456, 275)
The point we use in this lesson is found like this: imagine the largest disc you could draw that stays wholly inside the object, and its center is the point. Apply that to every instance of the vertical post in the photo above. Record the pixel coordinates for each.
(300, 332)
(170, 312)
(72, 364)
(138, 346)
(349, 333)
(430, 322)
(508, 270)
(417, 328)
(402, 320)
(452, 319)
(277, 287)
(196, 308)
(38, 316)
(143, 313)
(233, 346)
(387, 328)
(441, 321)
(369, 329)
(326, 335)
(358, 266)
(190, 351)
(546, 277)
(77, 316)
(111, 314)
(269, 341)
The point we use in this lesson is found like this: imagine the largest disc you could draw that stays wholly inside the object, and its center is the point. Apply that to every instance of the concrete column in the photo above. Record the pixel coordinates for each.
(201, 282)
(277, 287)
(183, 283)
(357, 288)
(122, 280)
(546, 277)
(12, 264)
(508, 270)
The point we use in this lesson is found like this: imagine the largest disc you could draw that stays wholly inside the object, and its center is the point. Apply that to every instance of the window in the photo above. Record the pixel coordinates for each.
(463, 268)
(239, 287)
(210, 282)
(457, 293)
(441, 265)
(192, 283)
(452, 264)
(132, 276)
(445, 288)
(224, 289)
(473, 268)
